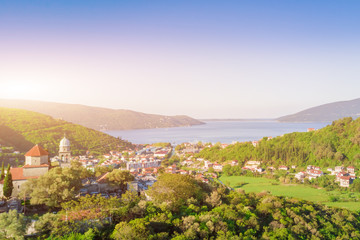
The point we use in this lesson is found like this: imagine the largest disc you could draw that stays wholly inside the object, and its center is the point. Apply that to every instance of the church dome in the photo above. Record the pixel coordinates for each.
(64, 142)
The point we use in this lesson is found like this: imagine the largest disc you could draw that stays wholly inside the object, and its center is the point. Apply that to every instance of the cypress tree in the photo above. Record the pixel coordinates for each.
(8, 184)
(2, 176)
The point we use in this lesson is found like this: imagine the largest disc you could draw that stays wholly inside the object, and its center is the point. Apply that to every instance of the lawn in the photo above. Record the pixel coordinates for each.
(253, 184)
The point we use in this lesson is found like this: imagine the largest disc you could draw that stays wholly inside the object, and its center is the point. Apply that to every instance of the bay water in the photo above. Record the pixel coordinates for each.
(215, 131)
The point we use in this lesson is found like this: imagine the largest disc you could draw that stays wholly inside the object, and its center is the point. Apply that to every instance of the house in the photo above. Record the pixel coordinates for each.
(315, 173)
(339, 169)
(161, 154)
(310, 129)
(234, 163)
(350, 169)
(255, 143)
(345, 181)
(208, 164)
(183, 172)
(341, 174)
(171, 169)
(259, 170)
(217, 167)
(252, 165)
(300, 176)
(283, 168)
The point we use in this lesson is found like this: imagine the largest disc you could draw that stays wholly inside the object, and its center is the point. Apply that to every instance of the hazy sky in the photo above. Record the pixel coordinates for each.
(206, 59)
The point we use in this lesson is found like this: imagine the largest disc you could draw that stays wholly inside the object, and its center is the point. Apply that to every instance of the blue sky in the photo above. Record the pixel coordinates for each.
(206, 59)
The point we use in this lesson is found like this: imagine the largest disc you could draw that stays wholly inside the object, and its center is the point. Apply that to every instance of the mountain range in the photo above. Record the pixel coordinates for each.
(101, 118)
(326, 112)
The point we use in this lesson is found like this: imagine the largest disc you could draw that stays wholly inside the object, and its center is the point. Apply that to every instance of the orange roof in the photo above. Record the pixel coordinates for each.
(17, 174)
(36, 151)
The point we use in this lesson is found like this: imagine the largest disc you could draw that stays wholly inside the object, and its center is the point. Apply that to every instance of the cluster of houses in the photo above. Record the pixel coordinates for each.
(344, 176)
(311, 172)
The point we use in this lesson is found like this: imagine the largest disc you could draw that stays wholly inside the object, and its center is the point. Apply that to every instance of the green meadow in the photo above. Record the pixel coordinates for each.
(252, 184)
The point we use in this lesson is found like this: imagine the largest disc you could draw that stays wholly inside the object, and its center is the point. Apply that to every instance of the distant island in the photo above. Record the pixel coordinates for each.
(326, 113)
(101, 118)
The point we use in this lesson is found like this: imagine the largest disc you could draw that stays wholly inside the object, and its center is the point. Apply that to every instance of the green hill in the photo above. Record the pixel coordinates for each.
(22, 129)
(326, 112)
(336, 144)
(101, 118)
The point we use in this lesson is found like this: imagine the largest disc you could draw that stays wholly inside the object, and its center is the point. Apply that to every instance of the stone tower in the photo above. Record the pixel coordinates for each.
(64, 150)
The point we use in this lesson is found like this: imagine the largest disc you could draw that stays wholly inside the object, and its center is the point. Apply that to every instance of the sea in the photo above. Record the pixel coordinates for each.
(215, 131)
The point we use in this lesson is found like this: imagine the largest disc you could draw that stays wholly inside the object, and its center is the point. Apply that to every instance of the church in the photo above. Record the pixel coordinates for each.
(37, 163)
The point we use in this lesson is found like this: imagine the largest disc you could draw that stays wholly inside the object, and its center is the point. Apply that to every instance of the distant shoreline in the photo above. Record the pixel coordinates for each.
(238, 120)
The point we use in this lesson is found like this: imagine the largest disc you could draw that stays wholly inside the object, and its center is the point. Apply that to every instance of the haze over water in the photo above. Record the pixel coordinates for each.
(215, 131)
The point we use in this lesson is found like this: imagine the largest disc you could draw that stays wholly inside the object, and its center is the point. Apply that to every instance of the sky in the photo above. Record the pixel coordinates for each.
(205, 59)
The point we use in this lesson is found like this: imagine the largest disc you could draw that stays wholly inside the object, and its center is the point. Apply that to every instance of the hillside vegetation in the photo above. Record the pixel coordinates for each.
(183, 208)
(22, 129)
(326, 112)
(101, 118)
(336, 144)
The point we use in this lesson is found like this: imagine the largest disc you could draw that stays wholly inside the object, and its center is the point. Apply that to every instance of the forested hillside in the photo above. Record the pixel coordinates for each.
(22, 129)
(183, 208)
(326, 112)
(336, 144)
(101, 118)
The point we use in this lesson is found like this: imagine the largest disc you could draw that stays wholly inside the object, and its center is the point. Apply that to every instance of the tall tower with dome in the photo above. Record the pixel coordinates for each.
(64, 150)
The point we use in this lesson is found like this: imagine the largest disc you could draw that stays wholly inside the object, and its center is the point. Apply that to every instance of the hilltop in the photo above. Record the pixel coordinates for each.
(326, 113)
(22, 129)
(336, 144)
(101, 118)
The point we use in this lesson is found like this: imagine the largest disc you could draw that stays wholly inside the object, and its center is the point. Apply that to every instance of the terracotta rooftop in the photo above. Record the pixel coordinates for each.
(17, 174)
(36, 151)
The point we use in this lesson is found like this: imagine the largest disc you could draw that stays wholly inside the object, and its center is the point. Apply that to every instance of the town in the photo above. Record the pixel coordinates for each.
(145, 163)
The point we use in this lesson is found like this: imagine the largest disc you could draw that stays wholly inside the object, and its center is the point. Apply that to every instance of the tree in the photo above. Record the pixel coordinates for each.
(214, 199)
(2, 176)
(12, 225)
(355, 186)
(47, 223)
(120, 177)
(8, 184)
(56, 186)
(175, 189)
(136, 229)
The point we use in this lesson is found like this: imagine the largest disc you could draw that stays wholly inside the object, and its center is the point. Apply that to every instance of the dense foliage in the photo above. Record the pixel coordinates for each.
(216, 213)
(56, 186)
(22, 129)
(12, 225)
(336, 144)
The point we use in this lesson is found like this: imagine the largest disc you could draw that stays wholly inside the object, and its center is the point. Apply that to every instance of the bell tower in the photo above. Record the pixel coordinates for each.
(64, 150)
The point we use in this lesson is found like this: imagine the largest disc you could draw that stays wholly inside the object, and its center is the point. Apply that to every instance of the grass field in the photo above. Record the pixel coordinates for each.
(252, 184)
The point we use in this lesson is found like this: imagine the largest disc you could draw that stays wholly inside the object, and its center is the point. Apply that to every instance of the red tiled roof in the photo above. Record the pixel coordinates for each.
(17, 174)
(36, 151)
(345, 178)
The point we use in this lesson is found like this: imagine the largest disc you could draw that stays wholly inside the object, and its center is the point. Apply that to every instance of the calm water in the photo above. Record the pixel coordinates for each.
(215, 131)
